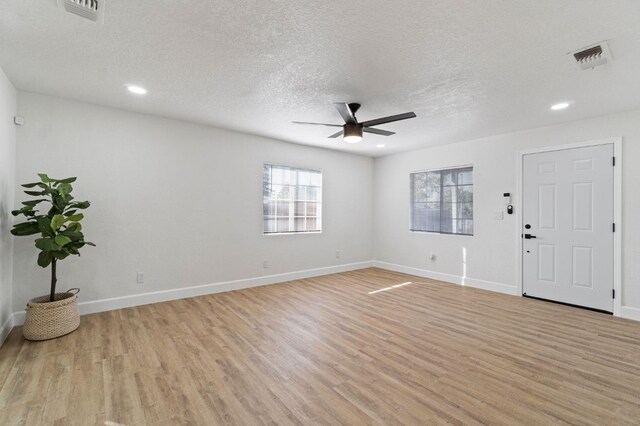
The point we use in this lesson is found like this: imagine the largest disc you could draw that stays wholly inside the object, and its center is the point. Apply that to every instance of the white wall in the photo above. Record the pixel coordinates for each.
(178, 201)
(492, 252)
(7, 184)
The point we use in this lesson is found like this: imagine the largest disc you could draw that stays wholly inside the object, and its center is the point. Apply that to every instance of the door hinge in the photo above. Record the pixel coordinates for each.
(613, 293)
(614, 161)
(614, 227)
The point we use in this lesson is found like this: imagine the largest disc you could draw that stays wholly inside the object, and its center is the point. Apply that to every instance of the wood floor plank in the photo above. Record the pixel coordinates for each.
(362, 347)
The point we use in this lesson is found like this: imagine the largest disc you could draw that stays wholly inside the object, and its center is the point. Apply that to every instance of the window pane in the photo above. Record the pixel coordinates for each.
(282, 224)
(465, 194)
(419, 216)
(465, 211)
(304, 178)
(426, 217)
(433, 217)
(448, 177)
(313, 193)
(419, 187)
(465, 227)
(449, 194)
(313, 224)
(299, 224)
(433, 186)
(465, 176)
(312, 209)
(316, 179)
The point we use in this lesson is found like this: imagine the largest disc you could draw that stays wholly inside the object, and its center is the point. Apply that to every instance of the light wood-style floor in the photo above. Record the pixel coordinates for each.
(331, 350)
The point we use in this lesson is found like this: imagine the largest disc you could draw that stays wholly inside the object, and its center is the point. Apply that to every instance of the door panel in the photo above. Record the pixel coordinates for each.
(568, 203)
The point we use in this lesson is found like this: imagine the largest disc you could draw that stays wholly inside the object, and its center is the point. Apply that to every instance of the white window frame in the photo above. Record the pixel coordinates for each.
(293, 201)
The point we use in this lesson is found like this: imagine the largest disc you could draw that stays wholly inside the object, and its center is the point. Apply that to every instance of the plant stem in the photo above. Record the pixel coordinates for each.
(53, 281)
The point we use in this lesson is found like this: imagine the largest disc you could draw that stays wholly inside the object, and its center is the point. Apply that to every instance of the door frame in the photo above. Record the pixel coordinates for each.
(617, 209)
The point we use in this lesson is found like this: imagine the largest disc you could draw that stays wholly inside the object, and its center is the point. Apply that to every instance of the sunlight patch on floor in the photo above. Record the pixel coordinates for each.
(389, 288)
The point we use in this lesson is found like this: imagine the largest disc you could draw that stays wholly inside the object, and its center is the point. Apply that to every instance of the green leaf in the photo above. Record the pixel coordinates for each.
(44, 224)
(75, 218)
(67, 180)
(31, 185)
(44, 178)
(74, 235)
(57, 221)
(32, 203)
(81, 205)
(59, 203)
(62, 240)
(35, 193)
(89, 243)
(64, 189)
(47, 244)
(44, 258)
(25, 228)
(74, 227)
(60, 255)
(27, 211)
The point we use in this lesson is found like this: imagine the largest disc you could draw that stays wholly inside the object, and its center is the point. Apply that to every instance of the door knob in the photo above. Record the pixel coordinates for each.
(529, 236)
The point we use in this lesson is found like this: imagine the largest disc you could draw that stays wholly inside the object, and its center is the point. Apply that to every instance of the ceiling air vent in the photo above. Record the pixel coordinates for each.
(592, 56)
(92, 10)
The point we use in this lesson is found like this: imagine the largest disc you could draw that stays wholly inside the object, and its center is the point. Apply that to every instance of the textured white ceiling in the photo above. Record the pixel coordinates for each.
(467, 68)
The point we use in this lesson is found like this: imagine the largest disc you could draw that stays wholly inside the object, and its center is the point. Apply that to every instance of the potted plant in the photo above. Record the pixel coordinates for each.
(60, 236)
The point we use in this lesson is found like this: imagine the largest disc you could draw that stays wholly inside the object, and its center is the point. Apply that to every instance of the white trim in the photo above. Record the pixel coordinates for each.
(440, 169)
(617, 208)
(6, 328)
(449, 278)
(630, 312)
(102, 305)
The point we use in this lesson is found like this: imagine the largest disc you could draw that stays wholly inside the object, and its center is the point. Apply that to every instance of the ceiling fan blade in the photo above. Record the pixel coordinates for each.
(336, 135)
(389, 119)
(378, 131)
(346, 113)
(316, 124)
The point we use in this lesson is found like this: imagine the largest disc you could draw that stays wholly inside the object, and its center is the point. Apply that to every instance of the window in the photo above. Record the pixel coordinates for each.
(442, 201)
(292, 200)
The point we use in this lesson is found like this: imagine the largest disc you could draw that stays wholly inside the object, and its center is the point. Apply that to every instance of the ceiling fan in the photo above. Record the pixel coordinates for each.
(352, 130)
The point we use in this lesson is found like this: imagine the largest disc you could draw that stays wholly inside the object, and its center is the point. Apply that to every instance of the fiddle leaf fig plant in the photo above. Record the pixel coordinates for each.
(59, 228)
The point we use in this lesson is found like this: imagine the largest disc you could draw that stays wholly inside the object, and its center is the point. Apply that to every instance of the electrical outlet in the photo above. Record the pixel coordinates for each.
(338, 254)
(266, 264)
(140, 277)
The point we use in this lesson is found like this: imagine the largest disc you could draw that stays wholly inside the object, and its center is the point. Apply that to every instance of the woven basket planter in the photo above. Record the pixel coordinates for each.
(47, 320)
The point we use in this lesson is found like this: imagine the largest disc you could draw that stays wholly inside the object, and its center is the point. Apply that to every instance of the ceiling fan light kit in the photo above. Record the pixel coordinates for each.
(353, 133)
(352, 130)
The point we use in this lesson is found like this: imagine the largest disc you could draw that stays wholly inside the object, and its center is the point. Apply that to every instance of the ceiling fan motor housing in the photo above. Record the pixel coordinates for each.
(353, 132)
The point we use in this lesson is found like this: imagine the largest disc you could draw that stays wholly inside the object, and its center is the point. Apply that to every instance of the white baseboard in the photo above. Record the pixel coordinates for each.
(630, 312)
(450, 278)
(6, 328)
(102, 305)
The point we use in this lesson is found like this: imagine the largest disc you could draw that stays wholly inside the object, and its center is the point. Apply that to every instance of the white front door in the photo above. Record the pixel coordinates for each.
(567, 228)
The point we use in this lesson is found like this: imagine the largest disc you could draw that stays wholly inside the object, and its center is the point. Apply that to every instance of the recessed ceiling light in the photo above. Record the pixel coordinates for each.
(559, 106)
(380, 145)
(136, 89)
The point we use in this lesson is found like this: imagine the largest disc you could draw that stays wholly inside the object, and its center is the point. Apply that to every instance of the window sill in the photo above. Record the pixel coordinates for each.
(439, 233)
(268, 234)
